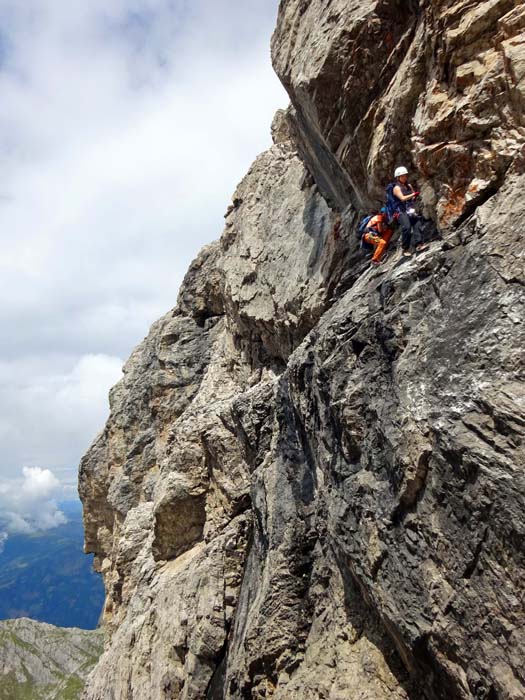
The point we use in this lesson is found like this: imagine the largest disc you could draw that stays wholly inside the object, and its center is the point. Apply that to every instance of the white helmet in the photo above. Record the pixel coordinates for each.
(401, 171)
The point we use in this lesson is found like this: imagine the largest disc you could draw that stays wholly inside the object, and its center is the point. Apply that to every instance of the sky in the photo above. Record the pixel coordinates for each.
(125, 126)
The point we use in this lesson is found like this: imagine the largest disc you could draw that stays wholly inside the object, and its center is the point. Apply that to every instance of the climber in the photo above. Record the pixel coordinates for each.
(378, 234)
(400, 198)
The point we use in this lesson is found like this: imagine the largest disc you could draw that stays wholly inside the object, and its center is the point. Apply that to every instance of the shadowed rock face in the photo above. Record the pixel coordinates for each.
(311, 484)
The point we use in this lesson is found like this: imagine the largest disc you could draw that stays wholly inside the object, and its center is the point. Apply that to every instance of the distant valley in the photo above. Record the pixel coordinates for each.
(47, 577)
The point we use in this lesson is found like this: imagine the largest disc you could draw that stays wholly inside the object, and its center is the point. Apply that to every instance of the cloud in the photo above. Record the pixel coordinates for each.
(29, 504)
(51, 415)
(125, 126)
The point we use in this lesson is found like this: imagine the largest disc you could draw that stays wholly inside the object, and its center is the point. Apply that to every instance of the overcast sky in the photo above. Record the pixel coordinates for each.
(125, 126)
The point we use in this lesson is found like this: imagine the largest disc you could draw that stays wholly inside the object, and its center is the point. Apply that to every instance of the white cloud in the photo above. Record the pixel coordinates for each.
(125, 126)
(51, 415)
(29, 504)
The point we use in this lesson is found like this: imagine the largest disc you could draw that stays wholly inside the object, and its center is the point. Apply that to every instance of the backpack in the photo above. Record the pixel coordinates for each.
(363, 225)
(361, 230)
(392, 202)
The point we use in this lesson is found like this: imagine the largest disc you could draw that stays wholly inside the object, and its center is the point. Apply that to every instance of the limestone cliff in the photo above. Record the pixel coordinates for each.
(311, 484)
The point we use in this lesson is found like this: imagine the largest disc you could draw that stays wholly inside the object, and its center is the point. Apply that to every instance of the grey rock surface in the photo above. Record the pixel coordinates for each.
(437, 85)
(311, 485)
(42, 662)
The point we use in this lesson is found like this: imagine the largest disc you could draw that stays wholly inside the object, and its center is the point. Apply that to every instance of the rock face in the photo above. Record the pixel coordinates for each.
(43, 662)
(438, 86)
(312, 481)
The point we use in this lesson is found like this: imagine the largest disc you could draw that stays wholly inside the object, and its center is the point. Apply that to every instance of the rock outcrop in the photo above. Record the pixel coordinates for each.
(312, 481)
(42, 662)
(439, 86)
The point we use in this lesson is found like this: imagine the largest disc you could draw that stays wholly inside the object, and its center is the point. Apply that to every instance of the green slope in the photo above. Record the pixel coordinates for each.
(42, 662)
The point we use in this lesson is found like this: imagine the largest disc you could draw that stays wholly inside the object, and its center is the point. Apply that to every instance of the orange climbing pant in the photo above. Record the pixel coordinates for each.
(380, 242)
